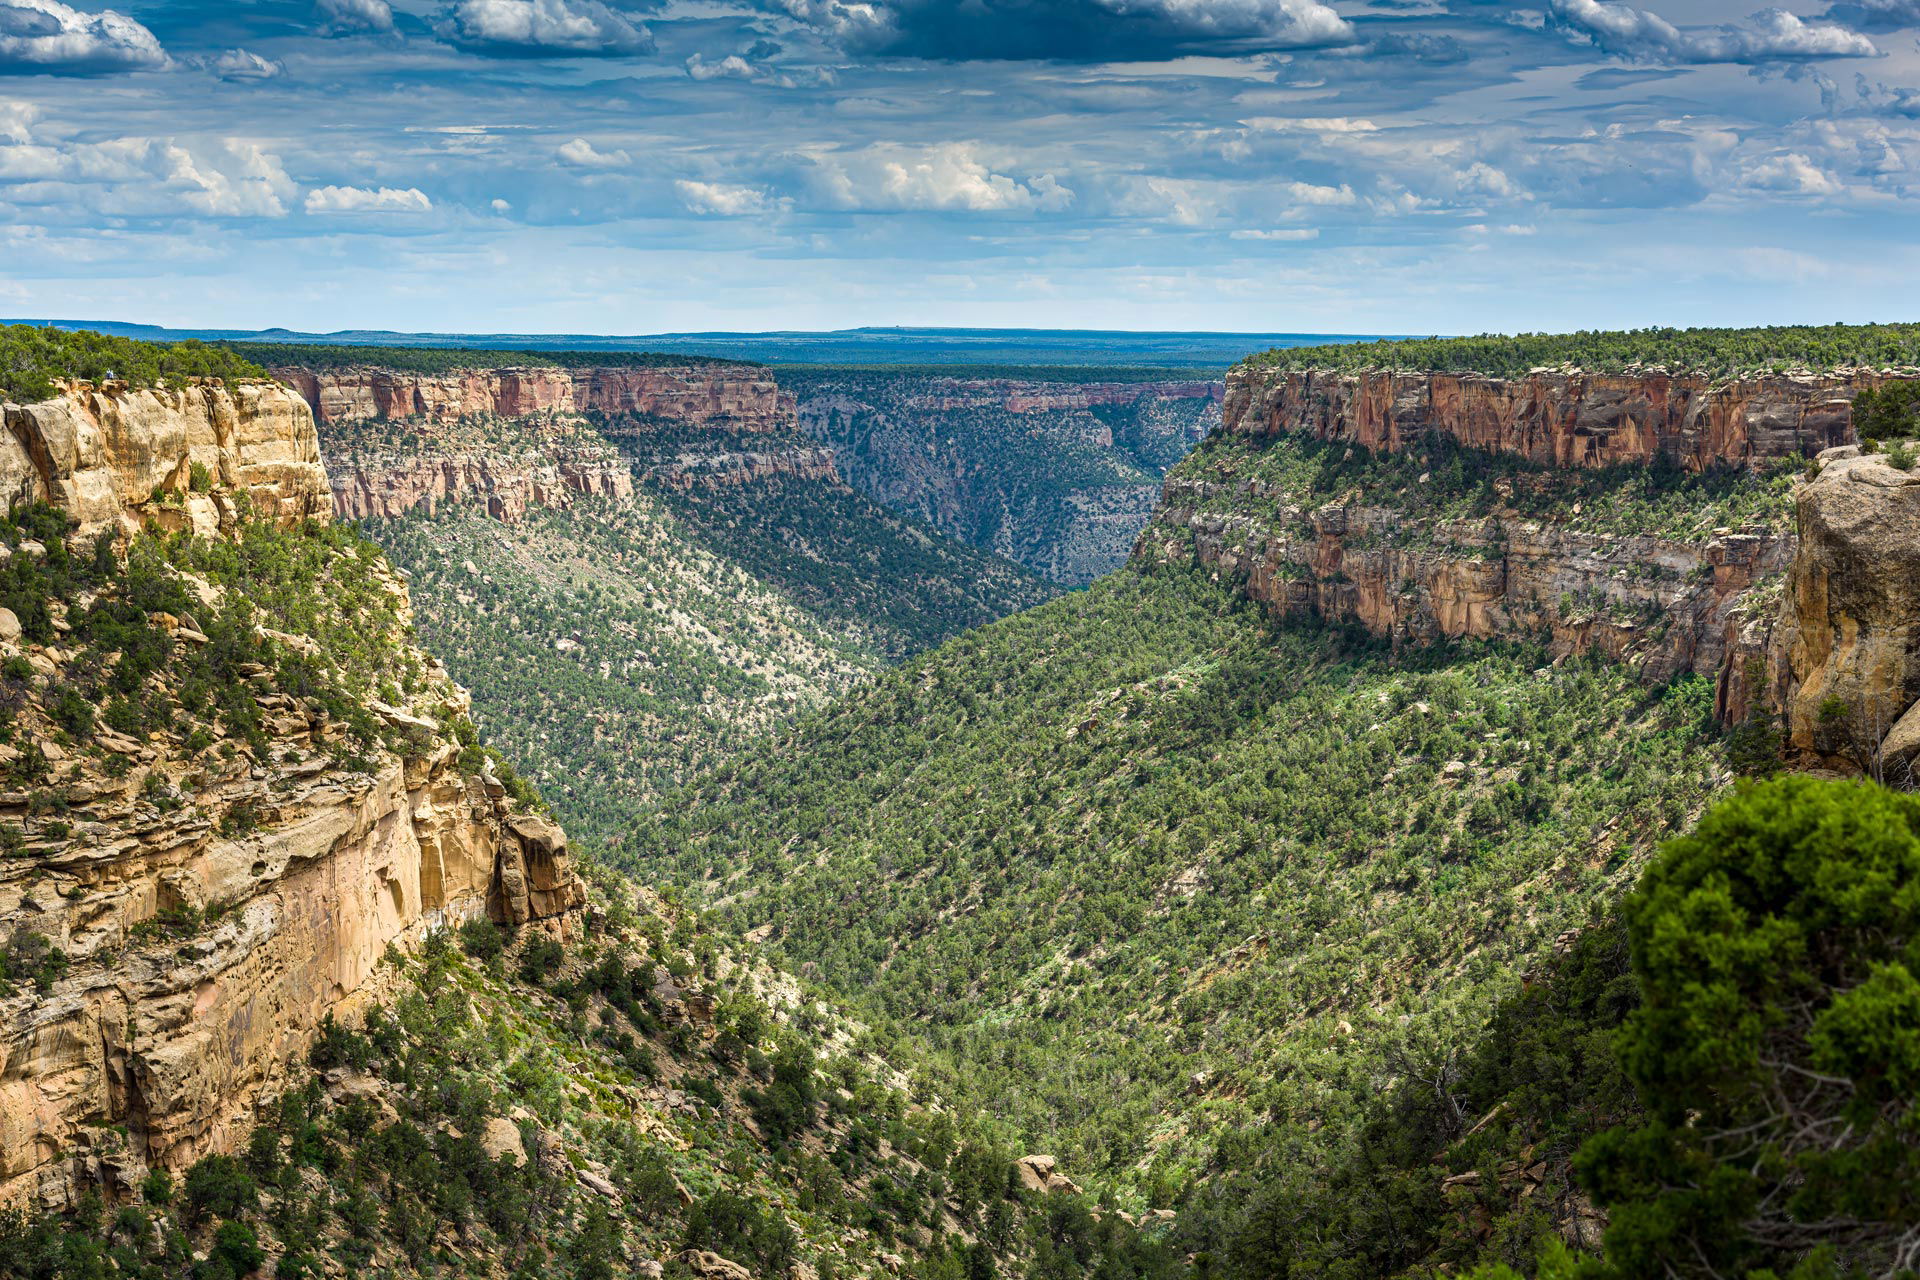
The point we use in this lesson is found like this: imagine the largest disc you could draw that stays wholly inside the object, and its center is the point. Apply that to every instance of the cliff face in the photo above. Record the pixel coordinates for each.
(211, 896)
(1797, 597)
(100, 453)
(1846, 648)
(740, 396)
(1557, 419)
(1669, 605)
(385, 485)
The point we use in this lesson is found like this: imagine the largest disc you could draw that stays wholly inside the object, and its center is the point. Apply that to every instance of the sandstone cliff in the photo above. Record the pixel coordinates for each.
(1846, 646)
(1057, 475)
(741, 396)
(211, 850)
(1558, 419)
(1791, 596)
(103, 453)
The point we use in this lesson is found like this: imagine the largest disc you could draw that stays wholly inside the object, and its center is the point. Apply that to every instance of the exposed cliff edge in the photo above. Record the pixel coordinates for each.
(1559, 419)
(1059, 475)
(743, 396)
(102, 452)
(1846, 647)
(216, 827)
(1665, 520)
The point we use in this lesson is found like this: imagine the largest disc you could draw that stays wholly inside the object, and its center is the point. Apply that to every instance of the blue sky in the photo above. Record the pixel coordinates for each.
(605, 166)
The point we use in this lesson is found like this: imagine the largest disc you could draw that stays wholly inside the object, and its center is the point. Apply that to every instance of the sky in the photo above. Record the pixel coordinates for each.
(609, 166)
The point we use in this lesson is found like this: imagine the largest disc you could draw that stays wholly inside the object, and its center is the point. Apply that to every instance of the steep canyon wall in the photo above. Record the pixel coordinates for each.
(213, 902)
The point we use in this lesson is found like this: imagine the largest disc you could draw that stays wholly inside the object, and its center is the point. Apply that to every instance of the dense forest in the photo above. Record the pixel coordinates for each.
(31, 357)
(1135, 869)
(1775, 349)
(313, 355)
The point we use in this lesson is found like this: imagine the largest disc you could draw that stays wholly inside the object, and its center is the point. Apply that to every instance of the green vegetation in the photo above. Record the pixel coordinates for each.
(1436, 479)
(1722, 1067)
(1714, 351)
(1133, 870)
(566, 1118)
(890, 585)
(31, 357)
(315, 355)
(621, 644)
(1889, 412)
(602, 643)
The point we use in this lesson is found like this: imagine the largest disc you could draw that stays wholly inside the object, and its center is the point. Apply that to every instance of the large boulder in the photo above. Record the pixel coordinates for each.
(1848, 644)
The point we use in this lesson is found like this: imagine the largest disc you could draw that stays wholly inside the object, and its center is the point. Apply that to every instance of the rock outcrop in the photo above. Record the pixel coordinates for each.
(1846, 647)
(1670, 606)
(387, 484)
(211, 903)
(1561, 419)
(741, 396)
(1820, 622)
(104, 452)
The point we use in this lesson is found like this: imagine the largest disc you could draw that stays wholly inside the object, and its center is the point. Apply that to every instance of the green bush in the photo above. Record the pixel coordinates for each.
(1777, 1048)
(218, 1187)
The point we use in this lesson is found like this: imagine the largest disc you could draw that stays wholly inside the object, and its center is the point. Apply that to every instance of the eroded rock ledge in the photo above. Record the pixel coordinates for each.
(214, 900)
(1558, 419)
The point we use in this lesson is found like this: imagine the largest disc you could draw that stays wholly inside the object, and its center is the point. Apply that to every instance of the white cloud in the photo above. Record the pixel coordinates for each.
(358, 15)
(1298, 23)
(501, 206)
(1282, 233)
(1773, 34)
(580, 153)
(731, 67)
(557, 26)
(49, 36)
(140, 177)
(367, 200)
(941, 176)
(239, 64)
(1325, 197)
(725, 199)
(1792, 174)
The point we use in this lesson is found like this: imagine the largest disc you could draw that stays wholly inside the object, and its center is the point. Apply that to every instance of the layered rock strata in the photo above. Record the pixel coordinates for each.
(211, 904)
(1671, 606)
(386, 485)
(104, 453)
(741, 396)
(1560, 419)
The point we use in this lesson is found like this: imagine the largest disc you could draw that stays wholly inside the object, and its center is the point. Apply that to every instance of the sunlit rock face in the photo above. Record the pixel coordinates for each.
(214, 905)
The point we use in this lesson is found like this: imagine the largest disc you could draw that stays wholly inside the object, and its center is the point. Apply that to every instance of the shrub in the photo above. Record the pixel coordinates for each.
(482, 938)
(1775, 1051)
(219, 1186)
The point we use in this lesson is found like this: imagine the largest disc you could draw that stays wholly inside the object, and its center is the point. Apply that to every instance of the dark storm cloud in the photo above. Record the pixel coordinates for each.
(1071, 30)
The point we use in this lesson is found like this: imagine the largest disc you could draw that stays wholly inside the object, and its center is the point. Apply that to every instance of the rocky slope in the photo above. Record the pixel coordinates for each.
(741, 396)
(1054, 472)
(231, 781)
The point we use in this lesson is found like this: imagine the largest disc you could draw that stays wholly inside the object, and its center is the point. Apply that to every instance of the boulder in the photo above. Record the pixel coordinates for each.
(501, 1137)
(9, 626)
(711, 1266)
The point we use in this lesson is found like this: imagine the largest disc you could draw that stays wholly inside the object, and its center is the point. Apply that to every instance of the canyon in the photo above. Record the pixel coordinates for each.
(213, 907)
(1806, 611)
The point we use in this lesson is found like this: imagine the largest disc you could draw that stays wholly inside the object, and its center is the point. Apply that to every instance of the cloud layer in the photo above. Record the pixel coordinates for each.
(1399, 165)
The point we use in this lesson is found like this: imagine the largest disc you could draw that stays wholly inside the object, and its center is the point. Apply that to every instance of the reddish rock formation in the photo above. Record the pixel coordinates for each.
(739, 396)
(1558, 419)
(1668, 606)
(386, 486)
(282, 873)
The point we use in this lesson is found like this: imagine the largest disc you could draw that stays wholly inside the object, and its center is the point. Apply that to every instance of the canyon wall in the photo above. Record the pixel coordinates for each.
(1059, 476)
(1810, 610)
(103, 452)
(214, 901)
(741, 396)
(1557, 419)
